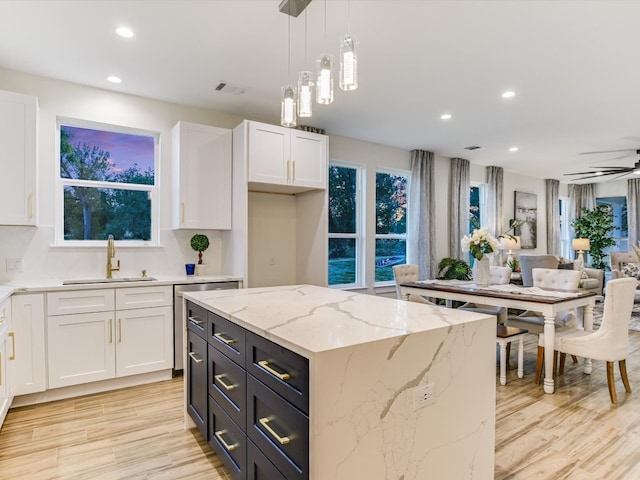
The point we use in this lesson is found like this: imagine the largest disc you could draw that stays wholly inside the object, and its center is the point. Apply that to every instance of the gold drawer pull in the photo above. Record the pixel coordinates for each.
(226, 386)
(281, 440)
(223, 339)
(110, 330)
(219, 434)
(195, 358)
(13, 344)
(196, 320)
(282, 376)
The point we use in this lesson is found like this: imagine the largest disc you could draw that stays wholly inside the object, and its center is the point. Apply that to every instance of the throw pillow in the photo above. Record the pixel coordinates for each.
(629, 269)
(584, 275)
(565, 266)
(637, 250)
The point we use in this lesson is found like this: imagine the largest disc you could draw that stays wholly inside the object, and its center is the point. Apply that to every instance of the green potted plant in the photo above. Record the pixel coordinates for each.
(596, 225)
(200, 242)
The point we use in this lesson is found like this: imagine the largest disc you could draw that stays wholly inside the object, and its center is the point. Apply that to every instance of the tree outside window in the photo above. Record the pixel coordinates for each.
(391, 223)
(108, 180)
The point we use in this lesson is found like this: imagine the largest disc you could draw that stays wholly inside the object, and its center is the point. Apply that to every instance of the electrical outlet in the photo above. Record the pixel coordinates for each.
(13, 265)
(423, 396)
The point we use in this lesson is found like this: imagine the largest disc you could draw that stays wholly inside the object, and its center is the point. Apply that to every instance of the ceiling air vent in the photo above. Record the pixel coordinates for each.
(226, 87)
(472, 147)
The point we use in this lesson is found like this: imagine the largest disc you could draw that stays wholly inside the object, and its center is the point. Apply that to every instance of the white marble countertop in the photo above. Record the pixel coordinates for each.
(309, 319)
(50, 285)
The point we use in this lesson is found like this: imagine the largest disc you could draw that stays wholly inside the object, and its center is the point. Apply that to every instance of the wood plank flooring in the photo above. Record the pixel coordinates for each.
(137, 433)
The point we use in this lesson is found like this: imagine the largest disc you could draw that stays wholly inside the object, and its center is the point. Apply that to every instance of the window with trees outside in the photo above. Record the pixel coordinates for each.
(107, 184)
(344, 225)
(391, 222)
(620, 231)
(477, 208)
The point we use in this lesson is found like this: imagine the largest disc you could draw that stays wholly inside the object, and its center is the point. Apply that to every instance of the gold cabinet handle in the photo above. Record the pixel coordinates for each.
(219, 434)
(196, 320)
(223, 339)
(226, 386)
(281, 440)
(181, 212)
(282, 376)
(13, 344)
(30, 205)
(110, 330)
(119, 330)
(293, 171)
(195, 358)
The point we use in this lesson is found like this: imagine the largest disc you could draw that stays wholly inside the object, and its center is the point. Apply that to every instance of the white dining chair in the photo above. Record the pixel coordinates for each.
(408, 273)
(610, 343)
(497, 276)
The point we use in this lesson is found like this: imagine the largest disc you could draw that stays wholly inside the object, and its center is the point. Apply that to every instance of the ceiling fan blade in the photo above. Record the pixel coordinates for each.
(607, 171)
(635, 150)
(612, 169)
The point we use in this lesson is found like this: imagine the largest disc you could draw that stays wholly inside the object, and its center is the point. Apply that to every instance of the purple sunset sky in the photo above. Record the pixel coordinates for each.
(124, 149)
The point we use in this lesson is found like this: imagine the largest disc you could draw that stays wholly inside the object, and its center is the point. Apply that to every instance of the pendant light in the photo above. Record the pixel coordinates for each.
(305, 83)
(348, 57)
(288, 92)
(324, 84)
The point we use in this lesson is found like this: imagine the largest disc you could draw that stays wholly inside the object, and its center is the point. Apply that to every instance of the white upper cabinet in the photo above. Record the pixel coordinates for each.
(202, 159)
(18, 159)
(279, 156)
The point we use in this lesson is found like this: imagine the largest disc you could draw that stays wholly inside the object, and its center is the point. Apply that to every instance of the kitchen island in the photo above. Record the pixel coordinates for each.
(369, 359)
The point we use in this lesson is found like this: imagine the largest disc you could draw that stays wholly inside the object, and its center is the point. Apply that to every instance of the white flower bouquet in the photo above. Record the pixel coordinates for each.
(480, 242)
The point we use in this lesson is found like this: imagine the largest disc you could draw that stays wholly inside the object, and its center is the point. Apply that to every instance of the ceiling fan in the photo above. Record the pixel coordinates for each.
(600, 171)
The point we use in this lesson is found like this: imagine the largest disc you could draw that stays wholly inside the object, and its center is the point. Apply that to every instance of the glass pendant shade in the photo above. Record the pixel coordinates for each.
(348, 63)
(305, 94)
(324, 85)
(288, 106)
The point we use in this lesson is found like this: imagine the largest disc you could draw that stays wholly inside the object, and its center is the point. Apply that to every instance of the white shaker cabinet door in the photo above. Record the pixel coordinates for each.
(28, 368)
(309, 159)
(269, 154)
(18, 159)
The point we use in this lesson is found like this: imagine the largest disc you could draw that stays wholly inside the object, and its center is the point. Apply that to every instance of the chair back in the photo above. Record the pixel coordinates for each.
(529, 262)
(555, 279)
(403, 274)
(618, 257)
(614, 331)
(499, 275)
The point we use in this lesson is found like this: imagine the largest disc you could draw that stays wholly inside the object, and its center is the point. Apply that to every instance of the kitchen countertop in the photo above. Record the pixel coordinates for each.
(310, 320)
(50, 285)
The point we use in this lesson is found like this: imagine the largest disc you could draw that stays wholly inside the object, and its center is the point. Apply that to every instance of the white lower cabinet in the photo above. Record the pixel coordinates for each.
(6, 353)
(28, 365)
(99, 345)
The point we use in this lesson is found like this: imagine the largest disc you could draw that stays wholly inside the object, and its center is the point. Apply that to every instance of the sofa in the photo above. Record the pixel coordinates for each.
(594, 281)
(617, 259)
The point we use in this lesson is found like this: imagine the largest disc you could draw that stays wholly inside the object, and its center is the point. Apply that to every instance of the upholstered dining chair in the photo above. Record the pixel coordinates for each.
(529, 262)
(610, 343)
(408, 273)
(497, 276)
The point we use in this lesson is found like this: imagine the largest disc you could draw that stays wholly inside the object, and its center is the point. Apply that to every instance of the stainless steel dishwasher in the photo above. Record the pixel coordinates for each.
(178, 324)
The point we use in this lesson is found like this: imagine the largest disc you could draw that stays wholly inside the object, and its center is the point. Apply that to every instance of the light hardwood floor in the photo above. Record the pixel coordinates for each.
(137, 433)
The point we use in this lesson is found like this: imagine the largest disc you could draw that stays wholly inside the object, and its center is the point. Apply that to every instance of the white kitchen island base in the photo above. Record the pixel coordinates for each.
(367, 357)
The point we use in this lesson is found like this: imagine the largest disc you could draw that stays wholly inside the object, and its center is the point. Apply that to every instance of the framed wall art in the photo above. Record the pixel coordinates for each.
(526, 209)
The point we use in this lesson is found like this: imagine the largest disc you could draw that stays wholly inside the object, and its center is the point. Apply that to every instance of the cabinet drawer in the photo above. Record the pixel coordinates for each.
(228, 441)
(197, 319)
(286, 372)
(197, 397)
(279, 430)
(143, 297)
(227, 337)
(259, 467)
(228, 386)
(80, 301)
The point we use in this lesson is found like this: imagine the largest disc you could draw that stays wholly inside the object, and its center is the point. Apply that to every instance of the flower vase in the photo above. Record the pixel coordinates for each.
(481, 271)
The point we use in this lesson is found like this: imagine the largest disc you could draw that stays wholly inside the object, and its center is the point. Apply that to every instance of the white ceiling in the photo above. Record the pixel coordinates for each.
(573, 64)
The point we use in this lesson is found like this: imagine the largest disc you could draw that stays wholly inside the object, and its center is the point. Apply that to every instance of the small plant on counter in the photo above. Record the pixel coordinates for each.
(453, 269)
(199, 242)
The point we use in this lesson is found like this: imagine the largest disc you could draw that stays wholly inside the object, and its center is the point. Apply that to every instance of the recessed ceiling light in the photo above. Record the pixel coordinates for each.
(508, 94)
(114, 79)
(513, 149)
(124, 32)
(445, 116)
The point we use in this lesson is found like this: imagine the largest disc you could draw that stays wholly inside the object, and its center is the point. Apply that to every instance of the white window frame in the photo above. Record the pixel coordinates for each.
(359, 233)
(566, 231)
(153, 190)
(483, 187)
(391, 236)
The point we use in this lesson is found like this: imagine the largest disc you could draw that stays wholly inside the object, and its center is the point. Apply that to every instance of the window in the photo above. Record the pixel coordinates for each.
(620, 231)
(344, 225)
(565, 230)
(107, 184)
(391, 223)
(477, 209)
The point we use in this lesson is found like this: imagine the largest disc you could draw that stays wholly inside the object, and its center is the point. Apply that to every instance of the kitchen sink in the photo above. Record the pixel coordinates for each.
(107, 280)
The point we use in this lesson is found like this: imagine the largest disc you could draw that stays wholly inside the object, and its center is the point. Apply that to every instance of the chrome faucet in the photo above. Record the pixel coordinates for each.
(111, 252)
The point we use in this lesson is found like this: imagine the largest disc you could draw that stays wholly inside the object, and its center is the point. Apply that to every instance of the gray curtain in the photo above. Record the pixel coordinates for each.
(553, 216)
(581, 196)
(495, 176)
(633, 210)
(422, 248)
(459, 204)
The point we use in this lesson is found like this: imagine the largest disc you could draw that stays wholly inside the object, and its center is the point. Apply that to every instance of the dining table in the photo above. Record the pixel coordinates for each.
(547, 302)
